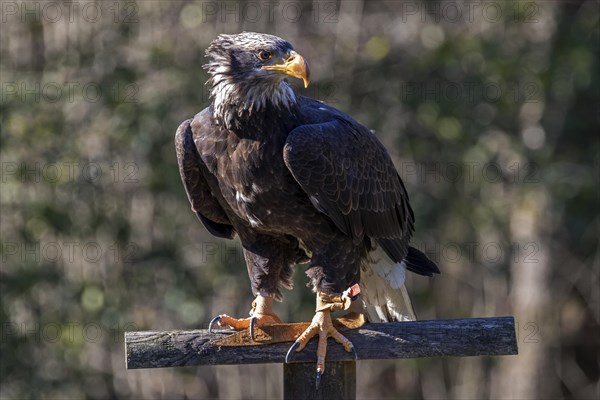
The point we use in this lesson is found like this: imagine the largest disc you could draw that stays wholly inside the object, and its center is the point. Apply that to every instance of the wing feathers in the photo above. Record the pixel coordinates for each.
(203, 203)
(348, 171)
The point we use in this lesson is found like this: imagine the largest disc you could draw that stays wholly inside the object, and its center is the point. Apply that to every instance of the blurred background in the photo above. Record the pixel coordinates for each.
(489, 109)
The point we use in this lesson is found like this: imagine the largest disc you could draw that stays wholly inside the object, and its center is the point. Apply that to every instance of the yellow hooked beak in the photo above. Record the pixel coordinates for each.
(295, 66)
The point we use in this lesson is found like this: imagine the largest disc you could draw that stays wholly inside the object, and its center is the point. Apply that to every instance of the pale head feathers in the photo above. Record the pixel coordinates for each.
(238, 85)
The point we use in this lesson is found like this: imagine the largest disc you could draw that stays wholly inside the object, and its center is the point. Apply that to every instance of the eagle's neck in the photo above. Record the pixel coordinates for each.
(237, 104)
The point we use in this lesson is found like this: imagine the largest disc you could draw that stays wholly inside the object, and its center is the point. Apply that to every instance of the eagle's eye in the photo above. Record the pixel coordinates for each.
(265, 55)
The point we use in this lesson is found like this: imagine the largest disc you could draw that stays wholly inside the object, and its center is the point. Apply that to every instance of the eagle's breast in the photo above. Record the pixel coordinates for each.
(255, 180)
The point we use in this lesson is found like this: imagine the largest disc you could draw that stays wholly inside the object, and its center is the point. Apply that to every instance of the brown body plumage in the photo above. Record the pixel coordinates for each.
(314, 177)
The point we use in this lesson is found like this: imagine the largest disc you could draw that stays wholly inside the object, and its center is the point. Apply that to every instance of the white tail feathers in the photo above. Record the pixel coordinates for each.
(382, 290)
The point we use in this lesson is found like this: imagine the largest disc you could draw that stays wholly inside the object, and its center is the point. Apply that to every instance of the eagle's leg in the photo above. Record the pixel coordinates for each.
(322, 325)
(267, 274)
(260, 314)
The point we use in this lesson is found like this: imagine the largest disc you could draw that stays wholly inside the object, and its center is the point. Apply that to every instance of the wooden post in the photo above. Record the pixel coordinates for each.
(458, 338)
(338, 381)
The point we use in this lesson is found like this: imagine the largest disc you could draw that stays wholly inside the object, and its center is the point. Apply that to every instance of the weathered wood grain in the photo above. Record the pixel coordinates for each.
(457, 337)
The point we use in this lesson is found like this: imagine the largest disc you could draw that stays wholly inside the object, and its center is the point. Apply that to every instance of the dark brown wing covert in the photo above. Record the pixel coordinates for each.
(204, 204)
(350, 177)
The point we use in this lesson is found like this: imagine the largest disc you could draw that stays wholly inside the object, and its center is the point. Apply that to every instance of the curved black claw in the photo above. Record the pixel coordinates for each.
(318, 378)
(252, 323)
(291, 351)
(212, 322)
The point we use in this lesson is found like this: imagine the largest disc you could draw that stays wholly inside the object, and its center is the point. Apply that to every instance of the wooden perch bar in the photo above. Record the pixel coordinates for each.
(457, 337)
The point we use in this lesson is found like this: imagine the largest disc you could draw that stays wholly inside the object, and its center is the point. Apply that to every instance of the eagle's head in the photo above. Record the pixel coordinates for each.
(248, 74)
